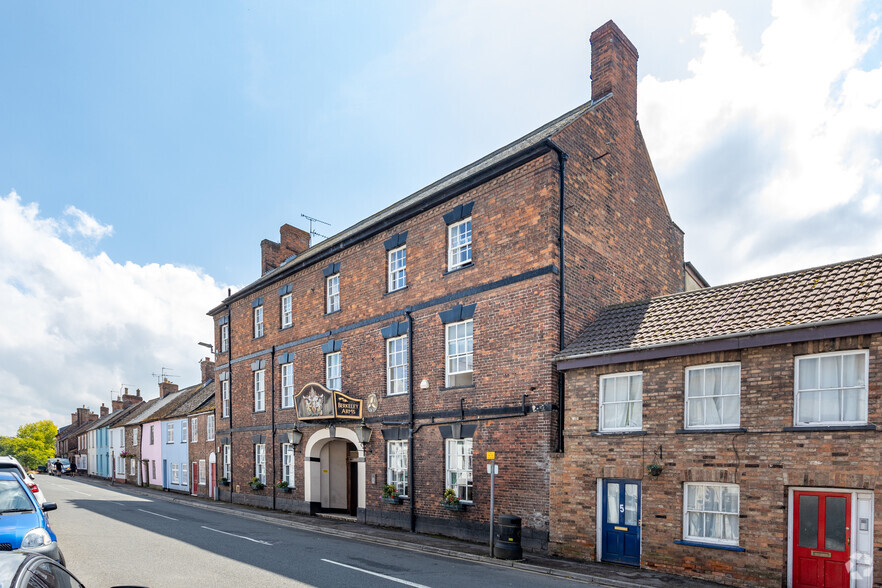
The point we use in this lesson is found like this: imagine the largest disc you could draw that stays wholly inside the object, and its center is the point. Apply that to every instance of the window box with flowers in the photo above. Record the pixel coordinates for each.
(256, 484)
(450, 501)
(283, 486)
(390, 494)
(224, 482)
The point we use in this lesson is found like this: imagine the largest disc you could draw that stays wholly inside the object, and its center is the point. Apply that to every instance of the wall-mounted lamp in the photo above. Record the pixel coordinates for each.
(209, 345)
(295, 436)
(456, 430)
(332, 431)
(363, 433)
(424, 385)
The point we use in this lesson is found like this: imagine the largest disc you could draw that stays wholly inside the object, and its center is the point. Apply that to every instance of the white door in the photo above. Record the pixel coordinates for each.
(334, 462)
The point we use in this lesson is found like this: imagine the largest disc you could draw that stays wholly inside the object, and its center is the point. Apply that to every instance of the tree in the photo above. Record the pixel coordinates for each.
(33, 445)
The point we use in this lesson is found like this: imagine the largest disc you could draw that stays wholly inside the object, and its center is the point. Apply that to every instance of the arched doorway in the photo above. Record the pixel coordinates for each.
(334, 479)
(212, 476)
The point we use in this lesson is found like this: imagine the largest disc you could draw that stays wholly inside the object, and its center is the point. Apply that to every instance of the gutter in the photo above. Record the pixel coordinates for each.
(410, 443)
(562, 161)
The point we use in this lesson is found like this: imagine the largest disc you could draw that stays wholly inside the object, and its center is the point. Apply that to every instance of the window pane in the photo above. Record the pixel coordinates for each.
(696, 383)
(830, 405)
(808, 374)
(808, 407)
(834, 524)
(731, 380)
(731, 410)
(808, 521)
(695, 524)
(853, 369)
(612, 504)
(696, 411)
(730, 499)
(636, 387)
(631, 504)
(830, 377)
(712, 382)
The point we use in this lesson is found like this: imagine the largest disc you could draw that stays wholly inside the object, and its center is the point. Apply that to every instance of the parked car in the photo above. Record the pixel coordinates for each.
(26, 570)
(24, 525)
(53, 470)
(10, 464)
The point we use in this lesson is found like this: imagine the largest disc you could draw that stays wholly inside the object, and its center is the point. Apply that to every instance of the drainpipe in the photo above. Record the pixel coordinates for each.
(230, 380)
(410, 430)
(562, 161)
(273, 415)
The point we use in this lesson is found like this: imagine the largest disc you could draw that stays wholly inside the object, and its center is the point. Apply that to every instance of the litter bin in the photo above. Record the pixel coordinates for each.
(508, 538)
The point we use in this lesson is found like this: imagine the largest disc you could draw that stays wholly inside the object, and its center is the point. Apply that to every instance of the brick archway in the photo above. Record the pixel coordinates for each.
(312, 466)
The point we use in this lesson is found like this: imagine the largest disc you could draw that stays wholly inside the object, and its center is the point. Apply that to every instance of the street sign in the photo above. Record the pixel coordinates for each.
(492, 469)
(491, 455)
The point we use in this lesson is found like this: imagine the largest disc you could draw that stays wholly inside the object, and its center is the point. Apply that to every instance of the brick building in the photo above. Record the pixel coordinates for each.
(432, 325)
(203, 457)
(729, 433)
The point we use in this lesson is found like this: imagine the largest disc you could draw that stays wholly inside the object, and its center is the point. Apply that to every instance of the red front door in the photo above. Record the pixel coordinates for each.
(194, 480)
(822, 539)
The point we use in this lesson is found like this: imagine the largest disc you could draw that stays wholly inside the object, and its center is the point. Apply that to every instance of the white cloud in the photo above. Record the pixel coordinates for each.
(73, 327)
(86, 225)
(769, 159)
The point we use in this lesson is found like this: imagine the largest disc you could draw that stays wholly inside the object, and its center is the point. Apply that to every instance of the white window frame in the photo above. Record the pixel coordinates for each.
(465, 350)
(194, 429)
(151, 435)
(260, 391)
(258, 321)
(227, 464)
(397, 264)
(396, 465)
(225, 338)
(334, 371)
(185, 475)
(225, 399)
(287, 311)
(861, 388)
(720, 515)
(332, 293)
(458, 462)
(169, 433)
(459, 244)
(202, 476)
(707, 397)
(288, 385)
(133, 467)
(184, 431)
(604, 406)
(175, 476)
(134, 436)
(209, 427)
(288, 464)
(260, 462)
(396, 366)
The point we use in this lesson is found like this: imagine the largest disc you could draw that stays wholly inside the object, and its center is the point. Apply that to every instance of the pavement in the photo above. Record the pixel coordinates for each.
(602, 574)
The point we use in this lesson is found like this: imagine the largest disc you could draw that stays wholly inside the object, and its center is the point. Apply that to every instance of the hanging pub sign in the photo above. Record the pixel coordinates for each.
(315, 401)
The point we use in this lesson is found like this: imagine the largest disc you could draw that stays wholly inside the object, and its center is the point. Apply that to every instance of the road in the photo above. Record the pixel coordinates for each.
(112, 537)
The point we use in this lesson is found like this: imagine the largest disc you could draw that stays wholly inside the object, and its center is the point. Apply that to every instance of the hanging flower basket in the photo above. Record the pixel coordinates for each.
(655, 469)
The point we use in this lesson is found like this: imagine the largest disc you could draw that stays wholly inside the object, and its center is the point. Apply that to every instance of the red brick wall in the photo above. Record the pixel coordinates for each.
(765, 461)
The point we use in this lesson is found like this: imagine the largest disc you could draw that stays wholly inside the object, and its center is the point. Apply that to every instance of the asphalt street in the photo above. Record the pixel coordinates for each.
(112, 537)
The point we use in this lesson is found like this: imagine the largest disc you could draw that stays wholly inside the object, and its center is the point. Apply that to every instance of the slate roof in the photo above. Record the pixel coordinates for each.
(124, 415)
(165, 406)
(194, 401)
(525, 143)
(846, 291)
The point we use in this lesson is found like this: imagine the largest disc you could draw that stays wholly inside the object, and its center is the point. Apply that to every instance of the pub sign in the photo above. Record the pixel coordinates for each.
(315, 401)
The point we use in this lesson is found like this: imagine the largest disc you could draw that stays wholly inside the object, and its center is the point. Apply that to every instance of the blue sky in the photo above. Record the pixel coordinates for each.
(147, 149)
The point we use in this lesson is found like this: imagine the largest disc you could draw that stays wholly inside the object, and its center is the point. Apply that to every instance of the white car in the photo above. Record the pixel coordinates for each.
(10, 464)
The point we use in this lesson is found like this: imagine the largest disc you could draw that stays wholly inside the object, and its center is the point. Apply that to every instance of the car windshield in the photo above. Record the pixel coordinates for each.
(14, 498)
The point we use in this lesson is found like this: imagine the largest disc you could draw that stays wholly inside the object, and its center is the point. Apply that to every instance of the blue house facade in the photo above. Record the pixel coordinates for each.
(175, 454)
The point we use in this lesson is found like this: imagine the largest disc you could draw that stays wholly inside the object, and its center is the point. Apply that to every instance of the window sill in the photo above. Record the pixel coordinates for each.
(822, 428)
(602, 433)
(286, 408)
(707, 431)
(443, 388)
(332, 312)
(710, 545)
(286, 327)
(394, 291)
(258, 337)
(458, 268)
(396, 395)
(258, 411)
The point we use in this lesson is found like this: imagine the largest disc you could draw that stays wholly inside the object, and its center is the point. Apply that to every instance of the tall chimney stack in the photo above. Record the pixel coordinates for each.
(207, 367)
(614, 67)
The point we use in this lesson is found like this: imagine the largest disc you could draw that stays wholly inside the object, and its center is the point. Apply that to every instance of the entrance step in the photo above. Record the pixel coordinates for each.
(337, 516)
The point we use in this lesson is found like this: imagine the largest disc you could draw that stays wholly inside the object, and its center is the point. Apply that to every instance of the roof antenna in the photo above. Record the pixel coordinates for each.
(161, 377)
(313, 232)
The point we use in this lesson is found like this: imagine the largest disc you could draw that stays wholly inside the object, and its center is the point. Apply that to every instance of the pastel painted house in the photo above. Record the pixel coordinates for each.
(175, 428)
(151, 434)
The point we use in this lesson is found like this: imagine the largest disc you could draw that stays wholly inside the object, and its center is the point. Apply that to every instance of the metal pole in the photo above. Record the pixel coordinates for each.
(492, 501)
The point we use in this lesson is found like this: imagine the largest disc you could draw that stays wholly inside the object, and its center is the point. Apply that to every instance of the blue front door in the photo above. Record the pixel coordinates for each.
(620, 527)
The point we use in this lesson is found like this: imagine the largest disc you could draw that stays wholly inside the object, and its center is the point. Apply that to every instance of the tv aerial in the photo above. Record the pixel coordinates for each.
(164, 374)
(312, 231)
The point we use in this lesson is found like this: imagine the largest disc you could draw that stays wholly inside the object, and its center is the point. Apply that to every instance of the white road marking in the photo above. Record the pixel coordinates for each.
(384, 576)
(239, 536)
(156, 514)
(118, 503)
(78, 492)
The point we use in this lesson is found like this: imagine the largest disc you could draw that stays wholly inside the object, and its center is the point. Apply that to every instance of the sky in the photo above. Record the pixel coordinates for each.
(147, 148)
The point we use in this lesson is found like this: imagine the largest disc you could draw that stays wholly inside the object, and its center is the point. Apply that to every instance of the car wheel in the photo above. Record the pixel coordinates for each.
(61, 559)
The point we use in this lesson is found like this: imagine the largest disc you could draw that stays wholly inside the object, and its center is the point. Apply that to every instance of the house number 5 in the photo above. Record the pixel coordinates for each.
(621, 508)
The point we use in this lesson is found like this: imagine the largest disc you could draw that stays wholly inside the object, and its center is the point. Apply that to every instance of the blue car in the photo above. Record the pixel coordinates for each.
(23, 524)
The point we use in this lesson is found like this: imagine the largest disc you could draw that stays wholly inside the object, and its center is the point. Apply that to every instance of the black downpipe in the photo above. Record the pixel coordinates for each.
(230, 379)
(272, 438)
(562, 160)
(411, 389)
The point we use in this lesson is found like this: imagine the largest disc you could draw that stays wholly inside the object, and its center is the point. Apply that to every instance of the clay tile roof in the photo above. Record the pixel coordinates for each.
(843, 291)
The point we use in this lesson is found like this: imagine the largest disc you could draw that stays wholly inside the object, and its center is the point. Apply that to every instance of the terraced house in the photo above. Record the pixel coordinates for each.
(730, 433)
(405, 348)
